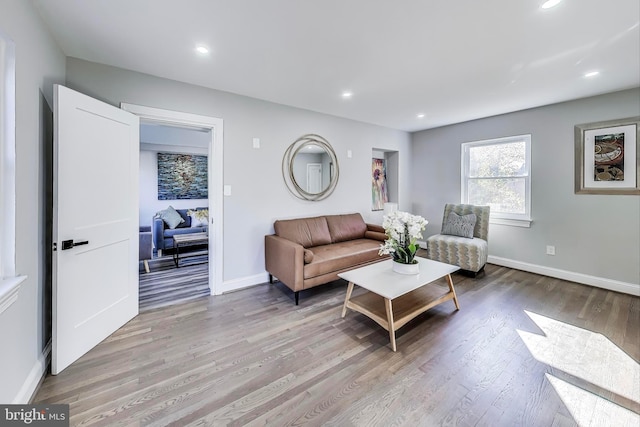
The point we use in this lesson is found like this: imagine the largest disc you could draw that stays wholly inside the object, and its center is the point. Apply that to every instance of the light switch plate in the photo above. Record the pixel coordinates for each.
(227, 190)
(256, 142)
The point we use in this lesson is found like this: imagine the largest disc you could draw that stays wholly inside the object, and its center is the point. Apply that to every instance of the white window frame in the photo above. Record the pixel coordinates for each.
(503, 218)
(9, 282)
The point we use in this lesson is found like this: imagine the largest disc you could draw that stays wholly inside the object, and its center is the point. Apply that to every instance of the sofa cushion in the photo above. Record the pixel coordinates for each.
(468, 254)
(459, 225)
(338, 256)
(190, 230)
(171, 217)
(307, 232)
(346, 227)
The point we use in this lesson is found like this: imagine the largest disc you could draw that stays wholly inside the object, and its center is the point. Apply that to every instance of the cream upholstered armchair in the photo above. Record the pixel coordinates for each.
(463, 240)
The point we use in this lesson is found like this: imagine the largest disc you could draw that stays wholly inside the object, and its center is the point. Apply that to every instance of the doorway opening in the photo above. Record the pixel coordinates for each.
(208, 134)
(173, 175)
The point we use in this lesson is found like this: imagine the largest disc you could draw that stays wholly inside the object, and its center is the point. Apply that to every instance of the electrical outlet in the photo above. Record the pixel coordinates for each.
(551, 250)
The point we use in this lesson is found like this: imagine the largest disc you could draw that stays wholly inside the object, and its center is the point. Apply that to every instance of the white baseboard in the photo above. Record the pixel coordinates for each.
(38, 370)
(244, 282)
(585, 279)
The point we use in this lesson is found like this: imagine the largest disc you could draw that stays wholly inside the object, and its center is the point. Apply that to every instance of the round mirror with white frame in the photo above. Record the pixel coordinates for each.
(310, 168)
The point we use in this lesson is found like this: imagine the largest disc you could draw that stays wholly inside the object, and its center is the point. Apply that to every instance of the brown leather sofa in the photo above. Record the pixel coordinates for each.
(308, 252)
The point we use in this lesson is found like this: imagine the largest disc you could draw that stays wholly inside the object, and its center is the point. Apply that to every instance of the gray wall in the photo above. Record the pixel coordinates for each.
(24, 326)
(259, 195)
(594, 235)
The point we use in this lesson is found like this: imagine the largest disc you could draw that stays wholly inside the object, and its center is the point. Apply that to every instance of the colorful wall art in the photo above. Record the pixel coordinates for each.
(379, 194)
(606, 160)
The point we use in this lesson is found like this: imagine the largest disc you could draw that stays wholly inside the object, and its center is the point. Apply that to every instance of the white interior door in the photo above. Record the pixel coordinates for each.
(314, 178)
(95, 223)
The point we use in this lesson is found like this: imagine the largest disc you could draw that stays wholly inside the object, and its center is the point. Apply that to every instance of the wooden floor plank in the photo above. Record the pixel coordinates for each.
(252, 357)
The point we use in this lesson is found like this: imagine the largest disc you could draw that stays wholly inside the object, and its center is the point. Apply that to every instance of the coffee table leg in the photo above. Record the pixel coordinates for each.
(344, 307)
(176, 256)
(455, 297)
(392, 329)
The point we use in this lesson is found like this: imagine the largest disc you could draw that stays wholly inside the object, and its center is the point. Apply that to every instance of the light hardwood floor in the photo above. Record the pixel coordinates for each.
(254, 358)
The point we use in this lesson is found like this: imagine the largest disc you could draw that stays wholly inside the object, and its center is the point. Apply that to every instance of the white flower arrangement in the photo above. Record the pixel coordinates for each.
(403, 231)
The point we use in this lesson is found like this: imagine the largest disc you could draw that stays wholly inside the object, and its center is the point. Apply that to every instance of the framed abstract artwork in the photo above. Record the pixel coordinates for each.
(182, 176)
(607, 157)
(379, 194)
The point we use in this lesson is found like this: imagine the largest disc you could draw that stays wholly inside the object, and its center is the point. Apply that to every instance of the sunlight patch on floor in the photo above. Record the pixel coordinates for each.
(591, 357)
(584, 354)
(589, 410)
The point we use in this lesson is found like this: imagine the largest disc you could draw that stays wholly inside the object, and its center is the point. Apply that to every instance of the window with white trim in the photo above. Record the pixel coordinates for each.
(497, 173)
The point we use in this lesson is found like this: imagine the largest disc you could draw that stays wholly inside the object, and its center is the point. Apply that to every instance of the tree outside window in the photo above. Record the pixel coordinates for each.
(497, 173)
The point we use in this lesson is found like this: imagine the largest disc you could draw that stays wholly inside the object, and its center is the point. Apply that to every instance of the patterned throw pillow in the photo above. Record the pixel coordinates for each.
(459, 225)
(199, 218)
(171, 217)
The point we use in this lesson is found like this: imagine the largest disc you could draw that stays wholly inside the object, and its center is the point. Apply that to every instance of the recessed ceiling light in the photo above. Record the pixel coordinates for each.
(347, 94)
(420, 116)
(592, 74)
(550, 3)
(203, 50)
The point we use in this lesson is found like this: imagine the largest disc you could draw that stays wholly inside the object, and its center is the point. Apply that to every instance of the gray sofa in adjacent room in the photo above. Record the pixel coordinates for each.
(163, 231)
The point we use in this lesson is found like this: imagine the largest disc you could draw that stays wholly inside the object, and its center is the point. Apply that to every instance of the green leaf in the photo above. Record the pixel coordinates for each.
(413, 248)
(403, 255)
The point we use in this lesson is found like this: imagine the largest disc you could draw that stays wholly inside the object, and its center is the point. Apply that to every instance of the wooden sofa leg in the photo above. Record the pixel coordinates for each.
(146, 265)
(296, 296)
(271, 278)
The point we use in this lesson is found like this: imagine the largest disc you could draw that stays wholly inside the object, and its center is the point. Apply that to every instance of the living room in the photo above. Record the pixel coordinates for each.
(596, 236)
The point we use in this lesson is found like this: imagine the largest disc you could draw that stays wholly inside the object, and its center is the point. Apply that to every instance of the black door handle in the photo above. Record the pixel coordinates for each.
(68, 244)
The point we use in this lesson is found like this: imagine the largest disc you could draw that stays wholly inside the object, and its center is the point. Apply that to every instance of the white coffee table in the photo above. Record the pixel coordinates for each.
(394, 299)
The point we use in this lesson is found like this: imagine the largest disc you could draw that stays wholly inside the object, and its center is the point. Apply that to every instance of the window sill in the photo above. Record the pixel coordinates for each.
(525, 223)
(9, 288)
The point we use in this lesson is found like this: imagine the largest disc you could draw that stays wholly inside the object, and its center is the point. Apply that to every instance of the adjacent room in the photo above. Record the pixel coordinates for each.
(360, 213)
(173, 180)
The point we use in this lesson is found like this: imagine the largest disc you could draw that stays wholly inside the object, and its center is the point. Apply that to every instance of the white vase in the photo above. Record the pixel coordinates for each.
(406, 268)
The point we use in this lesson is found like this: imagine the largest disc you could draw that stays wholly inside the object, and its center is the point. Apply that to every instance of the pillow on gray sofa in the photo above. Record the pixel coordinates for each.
(171, 217)
(199, 218)
(459, 225)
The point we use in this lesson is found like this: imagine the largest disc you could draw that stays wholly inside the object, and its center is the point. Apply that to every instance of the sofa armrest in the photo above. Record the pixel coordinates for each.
(285, 260)
(375, 227)
(145, 250)
(375, 232)
(158, 233)
(375, 235)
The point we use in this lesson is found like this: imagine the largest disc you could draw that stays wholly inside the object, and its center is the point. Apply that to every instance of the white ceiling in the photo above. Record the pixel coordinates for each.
(450, 60)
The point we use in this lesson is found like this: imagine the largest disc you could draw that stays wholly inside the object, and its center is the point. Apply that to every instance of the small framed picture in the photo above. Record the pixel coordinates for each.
(606, 157)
